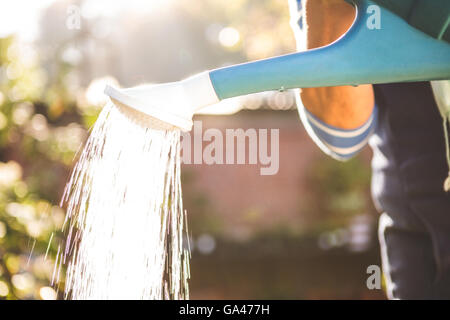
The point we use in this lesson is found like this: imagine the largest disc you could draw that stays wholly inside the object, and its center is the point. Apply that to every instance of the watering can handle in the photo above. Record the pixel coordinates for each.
(394, 52)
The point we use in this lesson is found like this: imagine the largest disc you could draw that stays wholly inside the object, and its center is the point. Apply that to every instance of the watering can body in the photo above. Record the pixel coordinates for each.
(394, 52)
(429, 16)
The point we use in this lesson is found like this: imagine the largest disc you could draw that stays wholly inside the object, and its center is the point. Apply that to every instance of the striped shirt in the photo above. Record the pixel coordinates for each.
(339, 143)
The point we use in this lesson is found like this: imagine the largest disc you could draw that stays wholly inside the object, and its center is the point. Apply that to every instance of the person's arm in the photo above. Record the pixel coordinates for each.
(333, 109)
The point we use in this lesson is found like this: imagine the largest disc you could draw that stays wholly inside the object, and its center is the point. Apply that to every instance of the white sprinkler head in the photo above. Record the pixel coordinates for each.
(165, 106)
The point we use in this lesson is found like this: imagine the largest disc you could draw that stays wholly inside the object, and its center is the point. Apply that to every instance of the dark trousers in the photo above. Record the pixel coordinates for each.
(409, 169)
(413, 265)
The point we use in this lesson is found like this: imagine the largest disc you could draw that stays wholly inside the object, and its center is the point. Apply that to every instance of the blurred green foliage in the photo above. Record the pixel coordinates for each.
(39, 136)
(338, 191)
(263, 24)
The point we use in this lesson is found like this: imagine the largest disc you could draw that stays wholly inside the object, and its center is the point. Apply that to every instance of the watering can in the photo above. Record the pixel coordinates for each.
(398, 51)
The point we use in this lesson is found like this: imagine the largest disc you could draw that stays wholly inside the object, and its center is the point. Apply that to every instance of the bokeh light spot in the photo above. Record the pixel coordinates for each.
(229, 37)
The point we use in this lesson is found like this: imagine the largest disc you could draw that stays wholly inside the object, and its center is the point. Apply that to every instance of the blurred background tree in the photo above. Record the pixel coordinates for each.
(39, 136)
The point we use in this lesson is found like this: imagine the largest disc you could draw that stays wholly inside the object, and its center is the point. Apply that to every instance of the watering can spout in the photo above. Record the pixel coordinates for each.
(394, 52)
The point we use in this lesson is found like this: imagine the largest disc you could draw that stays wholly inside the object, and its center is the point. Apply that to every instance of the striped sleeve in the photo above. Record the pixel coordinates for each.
(338, 143)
